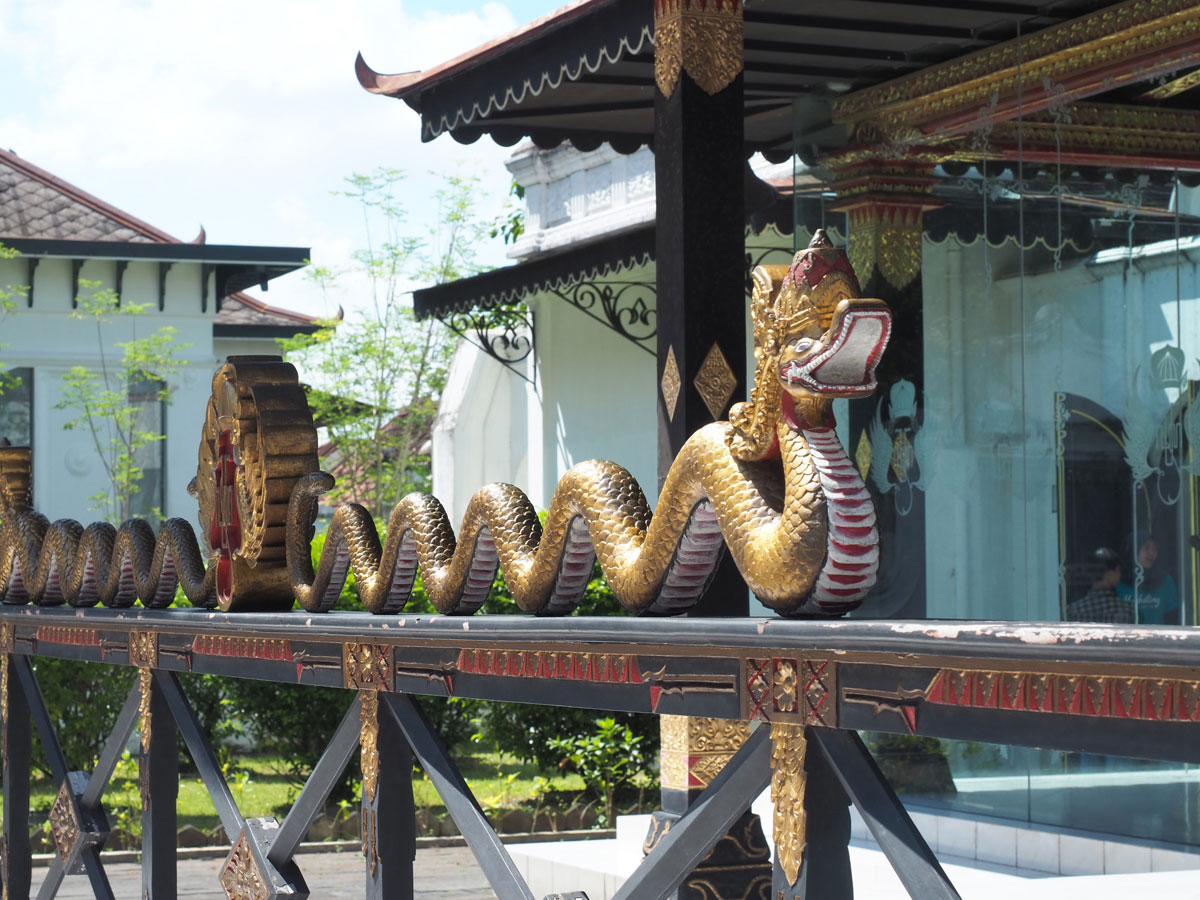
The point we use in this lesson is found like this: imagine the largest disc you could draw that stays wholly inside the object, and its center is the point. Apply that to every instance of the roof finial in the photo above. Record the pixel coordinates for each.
(820, 241)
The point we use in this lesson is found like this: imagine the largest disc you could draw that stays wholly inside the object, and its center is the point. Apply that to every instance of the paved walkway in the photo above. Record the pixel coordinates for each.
(441, 873)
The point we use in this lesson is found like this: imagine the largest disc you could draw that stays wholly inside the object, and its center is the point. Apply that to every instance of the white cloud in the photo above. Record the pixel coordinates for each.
(242, 115)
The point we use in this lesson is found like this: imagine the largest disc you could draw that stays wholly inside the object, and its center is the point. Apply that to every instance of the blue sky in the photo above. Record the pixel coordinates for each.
(241, 115)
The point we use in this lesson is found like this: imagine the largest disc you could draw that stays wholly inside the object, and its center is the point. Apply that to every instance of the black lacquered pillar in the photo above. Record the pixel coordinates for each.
(699, 162)
(15, 748)
(700, 254)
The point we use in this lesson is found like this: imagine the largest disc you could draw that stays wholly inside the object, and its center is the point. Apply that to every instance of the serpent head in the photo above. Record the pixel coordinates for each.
(830, 338)
(815, 338)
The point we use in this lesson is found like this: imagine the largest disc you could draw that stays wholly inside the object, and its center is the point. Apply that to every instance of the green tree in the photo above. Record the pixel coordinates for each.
(10, 297)
(380, 372)
(115, 403)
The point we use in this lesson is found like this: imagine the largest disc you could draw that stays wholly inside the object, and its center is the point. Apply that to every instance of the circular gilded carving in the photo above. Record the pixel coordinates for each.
(258, 439)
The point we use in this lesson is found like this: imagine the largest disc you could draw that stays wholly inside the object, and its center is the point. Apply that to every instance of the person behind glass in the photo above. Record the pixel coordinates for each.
(1157, 597)
(1102, 602)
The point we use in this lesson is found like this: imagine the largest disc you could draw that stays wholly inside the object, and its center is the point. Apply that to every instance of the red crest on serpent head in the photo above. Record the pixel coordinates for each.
(820, 258)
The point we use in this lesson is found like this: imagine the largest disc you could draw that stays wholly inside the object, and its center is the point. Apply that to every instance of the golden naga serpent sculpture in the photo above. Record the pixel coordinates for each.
(773, 484)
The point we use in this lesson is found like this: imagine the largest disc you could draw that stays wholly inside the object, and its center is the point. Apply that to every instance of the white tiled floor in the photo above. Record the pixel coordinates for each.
(1049, 864)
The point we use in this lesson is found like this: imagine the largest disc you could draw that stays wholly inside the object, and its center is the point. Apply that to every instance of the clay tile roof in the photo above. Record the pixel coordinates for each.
(242, 309)
(36, 204)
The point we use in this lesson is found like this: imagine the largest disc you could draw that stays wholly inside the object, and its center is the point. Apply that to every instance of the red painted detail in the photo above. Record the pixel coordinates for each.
(909, 714)
(516, 664)
(855, 549)
(450, 685)
(634, 675)
(82, 637)
(464, 661)
(299, 671)
(225, 530)
(844, 579)
(242, 648)
(937, 690)
(757, 677)
(655, 692)
(481, 663)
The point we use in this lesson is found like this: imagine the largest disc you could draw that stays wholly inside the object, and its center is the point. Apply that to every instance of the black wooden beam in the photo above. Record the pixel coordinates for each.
(17, 740)
(31, 264)
(490, 853)
(706, 821)
(915, 865)
(159, 776)
(699, 253)
(317, 788)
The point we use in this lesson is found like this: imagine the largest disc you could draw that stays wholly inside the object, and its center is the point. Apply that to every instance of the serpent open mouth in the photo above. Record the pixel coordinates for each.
(843, 364)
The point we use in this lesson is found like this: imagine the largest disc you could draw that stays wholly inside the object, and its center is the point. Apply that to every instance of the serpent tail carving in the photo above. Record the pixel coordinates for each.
(50, 563)
(258, 438)
(773, 485)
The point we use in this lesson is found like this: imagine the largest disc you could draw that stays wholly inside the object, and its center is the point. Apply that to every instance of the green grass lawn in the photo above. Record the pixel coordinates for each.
(261, 789)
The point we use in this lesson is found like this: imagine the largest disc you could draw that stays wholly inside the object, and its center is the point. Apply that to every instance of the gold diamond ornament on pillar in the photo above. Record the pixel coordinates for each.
(716, 381)
(671, 383)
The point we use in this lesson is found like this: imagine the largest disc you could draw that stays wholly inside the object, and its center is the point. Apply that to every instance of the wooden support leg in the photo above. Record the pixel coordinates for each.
(16, 734)
(389, 832)
(159, 771)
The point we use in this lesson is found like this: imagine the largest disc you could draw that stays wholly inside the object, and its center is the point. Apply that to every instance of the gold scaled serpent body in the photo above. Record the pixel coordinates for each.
(773, 485)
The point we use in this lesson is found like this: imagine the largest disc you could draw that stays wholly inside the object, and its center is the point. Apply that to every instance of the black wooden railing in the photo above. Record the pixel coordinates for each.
(1107, 689)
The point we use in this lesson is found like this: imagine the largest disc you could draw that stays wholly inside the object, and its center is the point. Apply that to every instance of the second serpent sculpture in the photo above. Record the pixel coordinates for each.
(773, 484)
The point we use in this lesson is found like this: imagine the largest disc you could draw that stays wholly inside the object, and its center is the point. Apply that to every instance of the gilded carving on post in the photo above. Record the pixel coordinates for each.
(800, 690)
(368, 741)
(240, 876)
(143, 649)
(145, 726)
(671, 383)
(715, 381)
(367, 667)
(694, 749)
(787, 794)
(700, 37)
(64, 823)
(886, 200)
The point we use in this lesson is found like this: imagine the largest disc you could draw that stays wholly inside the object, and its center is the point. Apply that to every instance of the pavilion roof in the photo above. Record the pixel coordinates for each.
(586, 72)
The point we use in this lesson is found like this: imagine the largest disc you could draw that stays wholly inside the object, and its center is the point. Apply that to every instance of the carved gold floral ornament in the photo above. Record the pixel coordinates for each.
(701, 38)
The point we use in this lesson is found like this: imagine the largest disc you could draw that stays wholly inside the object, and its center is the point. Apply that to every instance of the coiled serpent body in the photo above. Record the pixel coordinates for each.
(50, 563)
(772, 484)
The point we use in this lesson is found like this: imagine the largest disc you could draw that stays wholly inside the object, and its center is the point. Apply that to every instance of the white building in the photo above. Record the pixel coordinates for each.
(65, 235)
(580, 379)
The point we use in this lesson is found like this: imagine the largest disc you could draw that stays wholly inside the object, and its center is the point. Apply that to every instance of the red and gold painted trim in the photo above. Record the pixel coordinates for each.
(1103, 696)
(54, 634)
(242, 648)
(790, 689)
(604, 668)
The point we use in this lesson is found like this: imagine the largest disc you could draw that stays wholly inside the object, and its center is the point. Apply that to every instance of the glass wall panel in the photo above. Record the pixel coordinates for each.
(1046, 434)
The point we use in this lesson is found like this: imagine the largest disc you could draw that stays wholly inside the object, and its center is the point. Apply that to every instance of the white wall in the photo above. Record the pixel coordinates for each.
(480, 435)
(67, 470)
